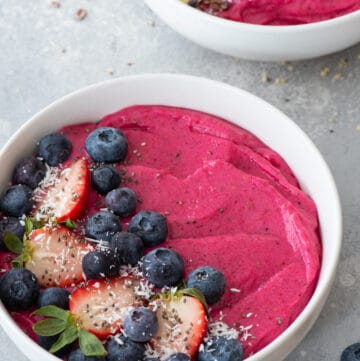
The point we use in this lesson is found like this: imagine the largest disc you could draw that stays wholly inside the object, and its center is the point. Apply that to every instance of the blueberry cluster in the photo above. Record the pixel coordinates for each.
(147, 228)
(52, 150)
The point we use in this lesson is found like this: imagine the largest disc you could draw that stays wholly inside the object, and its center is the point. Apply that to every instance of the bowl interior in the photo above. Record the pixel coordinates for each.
(237, 106)
(178, 4)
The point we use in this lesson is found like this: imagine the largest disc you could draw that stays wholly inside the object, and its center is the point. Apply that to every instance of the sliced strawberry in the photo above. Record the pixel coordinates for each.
(182, 326)
(64, 193)
(101, 306)
(55, 256)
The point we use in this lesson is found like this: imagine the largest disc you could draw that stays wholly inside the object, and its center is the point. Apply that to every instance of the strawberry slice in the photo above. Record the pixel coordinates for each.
(64, 192)
(182, 325)
(101, 306)
(54, 254)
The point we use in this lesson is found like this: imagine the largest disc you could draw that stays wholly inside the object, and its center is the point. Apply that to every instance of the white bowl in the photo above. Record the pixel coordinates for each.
(259, 42)
(235, 105)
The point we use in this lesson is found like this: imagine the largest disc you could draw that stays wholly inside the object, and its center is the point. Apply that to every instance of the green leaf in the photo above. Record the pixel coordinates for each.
(90, 345)
(18, 262)
(54, 312)
(49, 327)
(181, 285)
(28, 226)
(193, 292)
(13, 243)
(69, 335)
(69, 223)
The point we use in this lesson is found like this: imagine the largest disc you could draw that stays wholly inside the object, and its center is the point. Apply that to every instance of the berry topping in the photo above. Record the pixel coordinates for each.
(19, 289)
(122, 201)
(66, 195)
(100, 264)
(105, 178)
(179, 357)
(55, 296)
(121, 348)
(182, 325)
(46, 342)
(29, 171)
(16, 201)
(209, 281)
(101, 305)
(78, 355)
(10, 225)
(54, 255)
(163, 267)
(220, 348)
(54, 149)
(141, 324)
(150, 226)
(107, 145)
(128, 247)
(351, 353)
(102, 226)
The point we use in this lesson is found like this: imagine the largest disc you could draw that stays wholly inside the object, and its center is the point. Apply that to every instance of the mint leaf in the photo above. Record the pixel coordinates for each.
(54, 312)
(193, 292)
(90, 345)
(28, 226)
(69, 223)
(18, 262)
(13, 243)
(69, 335)
(49, 327)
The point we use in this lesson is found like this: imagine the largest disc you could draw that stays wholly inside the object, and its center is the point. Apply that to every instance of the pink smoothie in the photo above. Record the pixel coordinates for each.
(280, 12)
(231, 202)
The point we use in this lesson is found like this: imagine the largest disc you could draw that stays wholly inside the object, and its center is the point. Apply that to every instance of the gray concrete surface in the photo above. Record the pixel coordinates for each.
(45, 53)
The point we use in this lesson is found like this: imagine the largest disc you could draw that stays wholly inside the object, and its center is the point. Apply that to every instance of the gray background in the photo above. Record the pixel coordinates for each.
(45, 53)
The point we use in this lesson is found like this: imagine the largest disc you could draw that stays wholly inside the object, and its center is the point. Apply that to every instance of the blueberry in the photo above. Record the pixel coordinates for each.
(351, 353)
(56, 296)
(220, 348)
(29, 171)
(47, 341)
(163, 267)
(141, 324)
(54, 149)
(128, 247)
(78, 355)
(10, 225)
(105, 178)
(150, 226)
(100, 264)
(102, 226)
(122, 201)
(179, 357)
(19, 289)
(209, 281)
(16, 201)
(107, 145)
(122, 348)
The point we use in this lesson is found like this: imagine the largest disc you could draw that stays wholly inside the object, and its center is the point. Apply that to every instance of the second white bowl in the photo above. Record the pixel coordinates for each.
(259, 42)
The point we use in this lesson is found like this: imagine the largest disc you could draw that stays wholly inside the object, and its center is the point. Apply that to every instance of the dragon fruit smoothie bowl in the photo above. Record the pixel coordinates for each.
(188, 176)
(259, 30)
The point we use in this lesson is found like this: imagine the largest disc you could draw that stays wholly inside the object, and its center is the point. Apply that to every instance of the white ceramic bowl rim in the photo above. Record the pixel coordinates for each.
(237, 25)
(321, 290)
